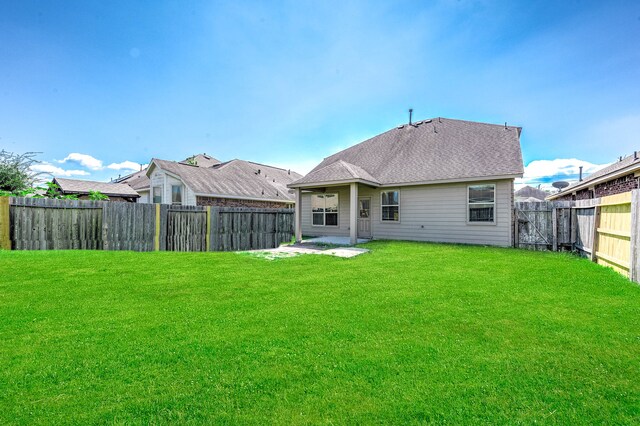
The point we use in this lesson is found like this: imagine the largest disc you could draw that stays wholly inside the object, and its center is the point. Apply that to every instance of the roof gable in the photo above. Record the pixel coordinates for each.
(338, 171)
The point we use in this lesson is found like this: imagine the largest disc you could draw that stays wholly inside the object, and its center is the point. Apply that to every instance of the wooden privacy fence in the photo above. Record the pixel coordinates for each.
(542, 225)
(607, 229)
(46, 224)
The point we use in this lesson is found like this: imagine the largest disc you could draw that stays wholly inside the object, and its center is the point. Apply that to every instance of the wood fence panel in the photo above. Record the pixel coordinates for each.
(613, 247)
(186, 228)
(45, 224)
(250, 229)
(164, 214)
(583, 229)
(128, 226)
(543, 225)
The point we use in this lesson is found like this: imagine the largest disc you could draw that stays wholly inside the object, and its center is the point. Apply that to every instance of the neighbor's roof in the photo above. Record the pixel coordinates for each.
(137, 180)
(428, 151)
(202, 160)
(531, 192)
(233, 179)
(75, 186)
(628, 164)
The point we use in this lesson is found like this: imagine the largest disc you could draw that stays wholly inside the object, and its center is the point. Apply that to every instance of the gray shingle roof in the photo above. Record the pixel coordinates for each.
(339, 171)
(75, 186)
(429, 151)
(235, 178)
(137, 180)
(531, 192)
(203, 160)
(628, 161)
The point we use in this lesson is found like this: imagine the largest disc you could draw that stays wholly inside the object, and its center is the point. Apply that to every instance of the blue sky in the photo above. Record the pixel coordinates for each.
(108, 84)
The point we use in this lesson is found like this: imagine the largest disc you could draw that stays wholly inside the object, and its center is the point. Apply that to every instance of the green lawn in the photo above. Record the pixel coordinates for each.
(409, 333)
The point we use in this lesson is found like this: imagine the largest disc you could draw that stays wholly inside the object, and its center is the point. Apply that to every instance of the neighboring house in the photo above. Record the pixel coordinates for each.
(82, 188)
(140, 183)
(621, 176)
(529, 193)
(435, 180)
(204, 181)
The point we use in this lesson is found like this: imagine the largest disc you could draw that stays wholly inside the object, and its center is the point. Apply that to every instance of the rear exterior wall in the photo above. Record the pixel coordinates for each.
(427, 213)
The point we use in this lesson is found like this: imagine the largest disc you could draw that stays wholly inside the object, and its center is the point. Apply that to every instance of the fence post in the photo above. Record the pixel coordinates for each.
(215, 230)
(156, 240)
(554, 228)
(634, 263)
(516, 229)
(594, 231)
(208, 236)
(5, 233)
(573, 223)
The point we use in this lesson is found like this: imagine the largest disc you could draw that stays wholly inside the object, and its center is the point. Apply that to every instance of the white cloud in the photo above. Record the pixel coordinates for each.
(125, 165)
(57, 171)
(545, 172)
(84, 160)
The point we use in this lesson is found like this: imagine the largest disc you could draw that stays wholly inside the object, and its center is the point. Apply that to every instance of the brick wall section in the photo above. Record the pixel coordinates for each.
(230, 202)
(566, 197)
(617, 186)
(584, 194)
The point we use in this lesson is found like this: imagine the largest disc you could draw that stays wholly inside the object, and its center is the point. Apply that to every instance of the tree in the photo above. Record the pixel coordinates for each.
(97, 196)
(15, 171)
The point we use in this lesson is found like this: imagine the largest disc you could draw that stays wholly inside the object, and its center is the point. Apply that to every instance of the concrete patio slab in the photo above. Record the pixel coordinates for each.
(307, 247)
(339, 241)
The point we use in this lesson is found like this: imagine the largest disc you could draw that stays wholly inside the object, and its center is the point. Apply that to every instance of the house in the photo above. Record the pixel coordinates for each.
(82, 188)
(529, 193)
(621, 176)
(204, 181)
(434, 180)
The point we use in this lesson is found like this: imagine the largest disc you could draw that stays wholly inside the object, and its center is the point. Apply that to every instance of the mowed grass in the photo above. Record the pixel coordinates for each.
(409, 333)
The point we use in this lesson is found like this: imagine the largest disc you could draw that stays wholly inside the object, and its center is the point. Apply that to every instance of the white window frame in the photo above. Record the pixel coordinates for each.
(495, 196)
(324, 213)
(181, 195)
(153, 197)
(389, 205)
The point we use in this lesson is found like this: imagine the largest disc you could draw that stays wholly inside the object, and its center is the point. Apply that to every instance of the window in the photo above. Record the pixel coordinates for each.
(157, 194)
(390, 205)
(482, 202)
(176, 194)
(324, 209)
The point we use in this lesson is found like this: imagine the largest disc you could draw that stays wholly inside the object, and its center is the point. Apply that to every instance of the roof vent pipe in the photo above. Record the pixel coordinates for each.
(635, 155)
(410, 114)
(580, 179)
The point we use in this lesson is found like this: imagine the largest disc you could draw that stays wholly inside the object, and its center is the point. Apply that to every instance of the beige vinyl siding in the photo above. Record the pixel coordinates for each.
(439, 213)
(160, 178)
(427, 213)
(144, 197)
(343, 215)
